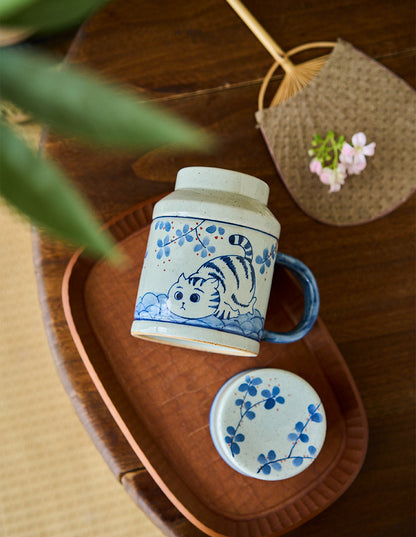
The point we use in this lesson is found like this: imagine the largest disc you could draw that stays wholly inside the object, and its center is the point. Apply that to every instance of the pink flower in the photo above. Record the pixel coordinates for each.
(334, 178)
(352, 167)
(353, 157)
(315, 166)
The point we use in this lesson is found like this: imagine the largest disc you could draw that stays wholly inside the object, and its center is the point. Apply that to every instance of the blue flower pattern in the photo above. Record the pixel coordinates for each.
(179, 236)
(164, 248)
(183, 234)
(249, 389)
(204, 246)
(269, 399)
(265, 261)
(232, 438)
(271, 461)
(187, 233)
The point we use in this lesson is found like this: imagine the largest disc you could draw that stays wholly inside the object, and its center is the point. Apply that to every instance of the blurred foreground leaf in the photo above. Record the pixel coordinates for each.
(9, 7)
(46, 15)
(79, 104)
(39, 189)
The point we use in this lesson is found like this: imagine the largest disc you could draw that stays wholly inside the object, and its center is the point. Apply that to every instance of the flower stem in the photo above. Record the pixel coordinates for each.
(281, 460)
(303, 428)
(328, 149)
(191, 230)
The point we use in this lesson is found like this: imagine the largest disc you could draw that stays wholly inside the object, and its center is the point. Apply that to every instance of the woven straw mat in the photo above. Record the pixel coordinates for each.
(53, 481)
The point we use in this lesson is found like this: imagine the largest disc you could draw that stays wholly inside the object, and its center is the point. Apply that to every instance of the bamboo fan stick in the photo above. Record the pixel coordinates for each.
(296, 76)
(262, 35)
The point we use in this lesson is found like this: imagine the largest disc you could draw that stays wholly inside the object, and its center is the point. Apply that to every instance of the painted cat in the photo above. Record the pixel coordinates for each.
(223, 286)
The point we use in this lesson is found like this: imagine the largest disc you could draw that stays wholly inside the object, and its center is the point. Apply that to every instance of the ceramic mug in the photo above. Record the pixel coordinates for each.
(207, 273)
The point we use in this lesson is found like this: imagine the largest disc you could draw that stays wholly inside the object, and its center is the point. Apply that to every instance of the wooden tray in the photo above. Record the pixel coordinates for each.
(160, 397)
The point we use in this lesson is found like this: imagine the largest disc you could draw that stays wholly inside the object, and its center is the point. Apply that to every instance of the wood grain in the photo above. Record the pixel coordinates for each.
(160, 397)
(208, 67)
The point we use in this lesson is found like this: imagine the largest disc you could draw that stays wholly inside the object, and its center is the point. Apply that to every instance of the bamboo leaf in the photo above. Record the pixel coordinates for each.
(47, 15)
(10, 7)
(80, 104)
(39, 189)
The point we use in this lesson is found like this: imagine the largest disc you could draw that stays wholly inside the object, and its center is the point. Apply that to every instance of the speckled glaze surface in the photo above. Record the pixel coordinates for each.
(268, 424)
(208, 268)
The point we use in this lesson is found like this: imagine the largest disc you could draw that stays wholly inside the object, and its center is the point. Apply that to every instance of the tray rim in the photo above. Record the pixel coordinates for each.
(114, 224)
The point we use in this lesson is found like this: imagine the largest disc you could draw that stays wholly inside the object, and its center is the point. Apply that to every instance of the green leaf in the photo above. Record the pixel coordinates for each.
(39, 189)
(10, 7)
(47, 15)
(82, 105)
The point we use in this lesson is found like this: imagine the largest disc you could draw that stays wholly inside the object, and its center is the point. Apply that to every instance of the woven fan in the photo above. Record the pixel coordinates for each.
(341, 95)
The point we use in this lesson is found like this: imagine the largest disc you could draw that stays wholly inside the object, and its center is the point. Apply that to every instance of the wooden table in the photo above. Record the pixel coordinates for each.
(199, 60)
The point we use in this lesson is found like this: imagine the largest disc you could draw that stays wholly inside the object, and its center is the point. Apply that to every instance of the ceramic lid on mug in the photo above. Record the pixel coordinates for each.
(268, 424)
(209, 178)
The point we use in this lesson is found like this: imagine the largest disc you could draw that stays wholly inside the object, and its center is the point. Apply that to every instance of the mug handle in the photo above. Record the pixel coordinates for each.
(310, 296)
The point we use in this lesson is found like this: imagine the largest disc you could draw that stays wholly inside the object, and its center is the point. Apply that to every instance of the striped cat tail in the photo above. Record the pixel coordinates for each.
(242, 241)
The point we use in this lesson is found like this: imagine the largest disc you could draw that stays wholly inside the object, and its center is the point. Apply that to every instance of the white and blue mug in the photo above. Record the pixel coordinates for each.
(208, 269)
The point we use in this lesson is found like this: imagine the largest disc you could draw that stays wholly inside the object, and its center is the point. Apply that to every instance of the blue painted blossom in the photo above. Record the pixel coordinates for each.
(232, 439)
(184, 234)
(314, 414)
(265, 261)
(272, 397)
(249, 385)
(299, 436)
(164, 248)
(268, 463)
(161, 224)
(212, 229)
(249, 388)
(203, 246)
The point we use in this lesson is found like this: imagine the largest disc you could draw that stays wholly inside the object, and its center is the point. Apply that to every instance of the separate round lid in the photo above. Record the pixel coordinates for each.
(268, 423)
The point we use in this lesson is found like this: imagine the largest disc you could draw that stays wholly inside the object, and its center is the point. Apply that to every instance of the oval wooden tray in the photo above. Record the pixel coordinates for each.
(160, 397)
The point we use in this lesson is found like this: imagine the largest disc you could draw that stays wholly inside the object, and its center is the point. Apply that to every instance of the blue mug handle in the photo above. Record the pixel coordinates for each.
(311, 301)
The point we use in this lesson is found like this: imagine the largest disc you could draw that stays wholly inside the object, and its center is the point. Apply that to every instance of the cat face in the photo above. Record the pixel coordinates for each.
(194, 298)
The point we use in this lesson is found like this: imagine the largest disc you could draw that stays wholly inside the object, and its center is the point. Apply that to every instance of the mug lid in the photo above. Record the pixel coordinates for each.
(269, 424)
(208, 178)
